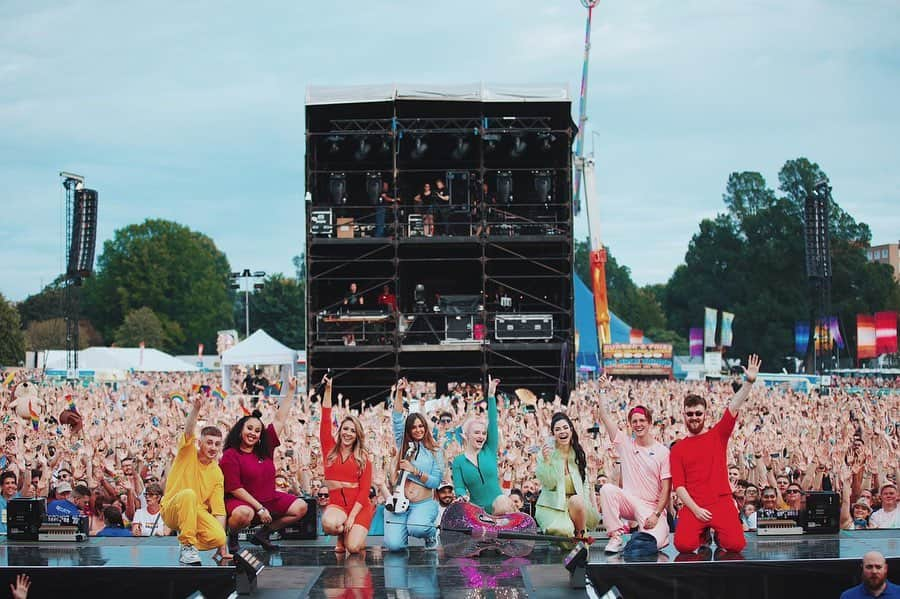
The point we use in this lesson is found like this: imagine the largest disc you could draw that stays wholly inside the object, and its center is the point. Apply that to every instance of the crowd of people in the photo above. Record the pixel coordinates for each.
(158, 453)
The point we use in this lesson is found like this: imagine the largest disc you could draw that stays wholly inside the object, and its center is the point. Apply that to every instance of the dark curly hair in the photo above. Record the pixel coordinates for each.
(233, 439)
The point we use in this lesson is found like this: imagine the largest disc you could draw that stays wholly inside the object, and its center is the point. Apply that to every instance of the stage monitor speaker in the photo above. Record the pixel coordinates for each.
(823, 513)
(504, 187)
(84, 234)
(337, 188)
(459, 328)
(24, 517)
(373, 188)
(305, 528)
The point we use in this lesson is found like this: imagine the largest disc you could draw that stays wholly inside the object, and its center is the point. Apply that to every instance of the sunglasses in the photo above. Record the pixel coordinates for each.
(151, 480)
(446, 421)
(322, 495)
(768, 496)
(793, 491)
(694, 414)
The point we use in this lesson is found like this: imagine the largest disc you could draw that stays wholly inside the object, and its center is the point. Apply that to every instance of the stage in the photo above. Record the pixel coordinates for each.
(134, 568)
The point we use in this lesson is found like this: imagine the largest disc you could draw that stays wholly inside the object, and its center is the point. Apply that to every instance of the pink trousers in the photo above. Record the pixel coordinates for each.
(619, 507)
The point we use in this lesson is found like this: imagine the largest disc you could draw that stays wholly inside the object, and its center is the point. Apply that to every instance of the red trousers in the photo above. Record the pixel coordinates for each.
(725, 521)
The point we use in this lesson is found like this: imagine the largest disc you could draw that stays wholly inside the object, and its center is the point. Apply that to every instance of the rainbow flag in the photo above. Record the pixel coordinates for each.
(245, 410)
(195, 388)
(9, 379)
(35, 419)
(219, 393)
(176, 396)
(71, 404)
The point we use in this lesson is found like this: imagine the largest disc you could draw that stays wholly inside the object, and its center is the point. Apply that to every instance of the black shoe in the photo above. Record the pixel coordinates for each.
(261, 538)
(234, 547)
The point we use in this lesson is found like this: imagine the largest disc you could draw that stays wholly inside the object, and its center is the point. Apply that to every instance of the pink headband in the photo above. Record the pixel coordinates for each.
(638, 410)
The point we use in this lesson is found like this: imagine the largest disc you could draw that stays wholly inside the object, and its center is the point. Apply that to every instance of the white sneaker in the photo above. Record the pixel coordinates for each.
(615, 545)
(189, 555)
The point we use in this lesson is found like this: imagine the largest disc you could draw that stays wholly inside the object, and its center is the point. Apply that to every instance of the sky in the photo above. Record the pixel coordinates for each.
(194, 111)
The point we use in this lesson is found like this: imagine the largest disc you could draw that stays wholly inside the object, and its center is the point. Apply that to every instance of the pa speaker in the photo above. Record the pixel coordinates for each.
(84, 234)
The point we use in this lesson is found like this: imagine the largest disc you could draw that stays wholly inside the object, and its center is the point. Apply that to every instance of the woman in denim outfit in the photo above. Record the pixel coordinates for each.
(425, 468)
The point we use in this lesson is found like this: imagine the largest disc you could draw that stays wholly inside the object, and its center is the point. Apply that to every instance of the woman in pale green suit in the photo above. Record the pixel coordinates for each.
(564, 506)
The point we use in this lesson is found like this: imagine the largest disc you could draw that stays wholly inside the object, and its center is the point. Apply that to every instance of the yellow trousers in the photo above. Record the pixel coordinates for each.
(194, 524)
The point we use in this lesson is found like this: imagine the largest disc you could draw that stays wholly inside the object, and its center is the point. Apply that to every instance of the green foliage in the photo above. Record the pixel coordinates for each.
(141, 325)
(750, 261)
(46, 305)
(279, 308)
(177, 273)
(12, 341)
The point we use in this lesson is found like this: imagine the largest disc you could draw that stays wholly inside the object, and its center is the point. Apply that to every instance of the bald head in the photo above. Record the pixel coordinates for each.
(874, 571)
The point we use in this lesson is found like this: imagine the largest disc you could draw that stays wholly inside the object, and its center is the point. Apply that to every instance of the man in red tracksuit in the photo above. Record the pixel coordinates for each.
(700, 474)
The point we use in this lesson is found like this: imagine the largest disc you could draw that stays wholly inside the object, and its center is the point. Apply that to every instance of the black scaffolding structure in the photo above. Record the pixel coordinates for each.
(480, 264)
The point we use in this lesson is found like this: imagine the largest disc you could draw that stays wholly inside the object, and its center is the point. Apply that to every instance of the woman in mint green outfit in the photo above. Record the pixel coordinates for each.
(564, 506)
(475, 476)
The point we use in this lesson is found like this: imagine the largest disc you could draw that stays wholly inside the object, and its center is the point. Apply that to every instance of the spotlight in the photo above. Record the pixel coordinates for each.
(334, 143)
(547, 140)
(385, 145)
(461, 149)
(248, 568)
(490, 142)
(363, 149)
(504, 187)
(419, 297)
(419, 150)
(519, 147)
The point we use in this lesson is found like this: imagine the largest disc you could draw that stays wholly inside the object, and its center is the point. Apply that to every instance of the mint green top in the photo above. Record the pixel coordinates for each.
(482, 481)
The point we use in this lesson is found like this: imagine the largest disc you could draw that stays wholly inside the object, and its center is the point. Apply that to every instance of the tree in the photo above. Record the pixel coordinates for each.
(141, 325)
(12, 341)
(46, 305)
(177, 273)
(51, 334)
(279, 308)
(746, 194)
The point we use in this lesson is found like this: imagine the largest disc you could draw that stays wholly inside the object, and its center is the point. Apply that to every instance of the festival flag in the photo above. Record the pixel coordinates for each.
(711, 316)
(176, 396)
(696, 342)
(71, 404)
(244, 409)
(865, 336)
(885, 333)
(199, 351)
(636, 336)
(9, 379)
(141, 354)
(205, 390)
(195, 388)
(823, 339)
(727, 333)
(801, 337)
(219, 393)
(35, 418)
(834, 327)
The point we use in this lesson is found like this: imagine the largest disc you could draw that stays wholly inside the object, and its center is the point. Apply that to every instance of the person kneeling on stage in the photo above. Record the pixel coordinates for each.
(348, 477)
(564, 506)
(248, 466)
(475, 476)
(425, 467)
(646, 479)
(700, 474)
(193, 503)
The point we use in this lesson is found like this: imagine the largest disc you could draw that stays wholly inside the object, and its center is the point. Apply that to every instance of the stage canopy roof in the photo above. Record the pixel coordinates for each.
(259, 348)
(467, 92)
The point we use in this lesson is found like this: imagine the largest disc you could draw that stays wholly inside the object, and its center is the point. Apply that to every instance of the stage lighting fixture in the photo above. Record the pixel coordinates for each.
(419, 150)
(385, 145)
(373, 187)
(547, 140)
(461, 149)
(334, 143)
(490, 142)
(362, 151)
(518, 148)
(337, 188)
(543, 186)
(419, 297)
(248, 567)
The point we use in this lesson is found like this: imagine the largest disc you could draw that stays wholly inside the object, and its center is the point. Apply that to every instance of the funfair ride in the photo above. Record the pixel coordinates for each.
(584, 171)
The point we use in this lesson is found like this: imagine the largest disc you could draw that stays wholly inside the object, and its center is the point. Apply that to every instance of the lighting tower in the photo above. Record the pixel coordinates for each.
(72, 183)
(582, 103)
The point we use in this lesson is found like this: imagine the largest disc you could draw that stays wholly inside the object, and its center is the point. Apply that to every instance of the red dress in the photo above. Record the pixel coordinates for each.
(346, 471)
(256, 476)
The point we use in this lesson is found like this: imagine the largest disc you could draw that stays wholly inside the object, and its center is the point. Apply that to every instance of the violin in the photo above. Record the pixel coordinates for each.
(398, 503)
(467, 530)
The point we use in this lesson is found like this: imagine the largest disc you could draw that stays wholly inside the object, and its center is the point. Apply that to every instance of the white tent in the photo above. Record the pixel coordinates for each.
(259, 348)
(121, 359)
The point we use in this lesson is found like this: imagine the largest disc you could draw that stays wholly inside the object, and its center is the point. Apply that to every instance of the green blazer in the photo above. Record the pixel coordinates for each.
(552, 475)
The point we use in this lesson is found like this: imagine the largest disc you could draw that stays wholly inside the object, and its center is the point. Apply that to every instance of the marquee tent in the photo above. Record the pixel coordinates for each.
(259, 349)
(121, 359)
(588, 348)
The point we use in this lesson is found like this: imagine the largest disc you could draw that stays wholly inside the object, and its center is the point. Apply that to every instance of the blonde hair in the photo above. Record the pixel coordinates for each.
(359, 446)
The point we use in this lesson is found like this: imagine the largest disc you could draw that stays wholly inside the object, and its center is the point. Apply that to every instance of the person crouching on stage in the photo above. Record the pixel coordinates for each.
(249, 469)
(646, 479)
(564, 506)
(193, 503)
(348, 477)
(425, 468)
(700, 475)
(475, 476)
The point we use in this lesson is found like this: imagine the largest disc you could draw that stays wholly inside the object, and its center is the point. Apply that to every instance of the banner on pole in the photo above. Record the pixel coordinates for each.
(865, 336)
(636, 336)
(711, 316)
(727, 332)
(834, 326)
(885, 333)
(696, 342)
(801, 337)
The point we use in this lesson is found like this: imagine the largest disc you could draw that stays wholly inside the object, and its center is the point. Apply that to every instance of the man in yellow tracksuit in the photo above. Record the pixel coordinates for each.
(194, 501)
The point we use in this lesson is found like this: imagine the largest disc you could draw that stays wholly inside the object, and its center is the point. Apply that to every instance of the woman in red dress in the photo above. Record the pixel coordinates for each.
(249, 470)
(348, 476)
